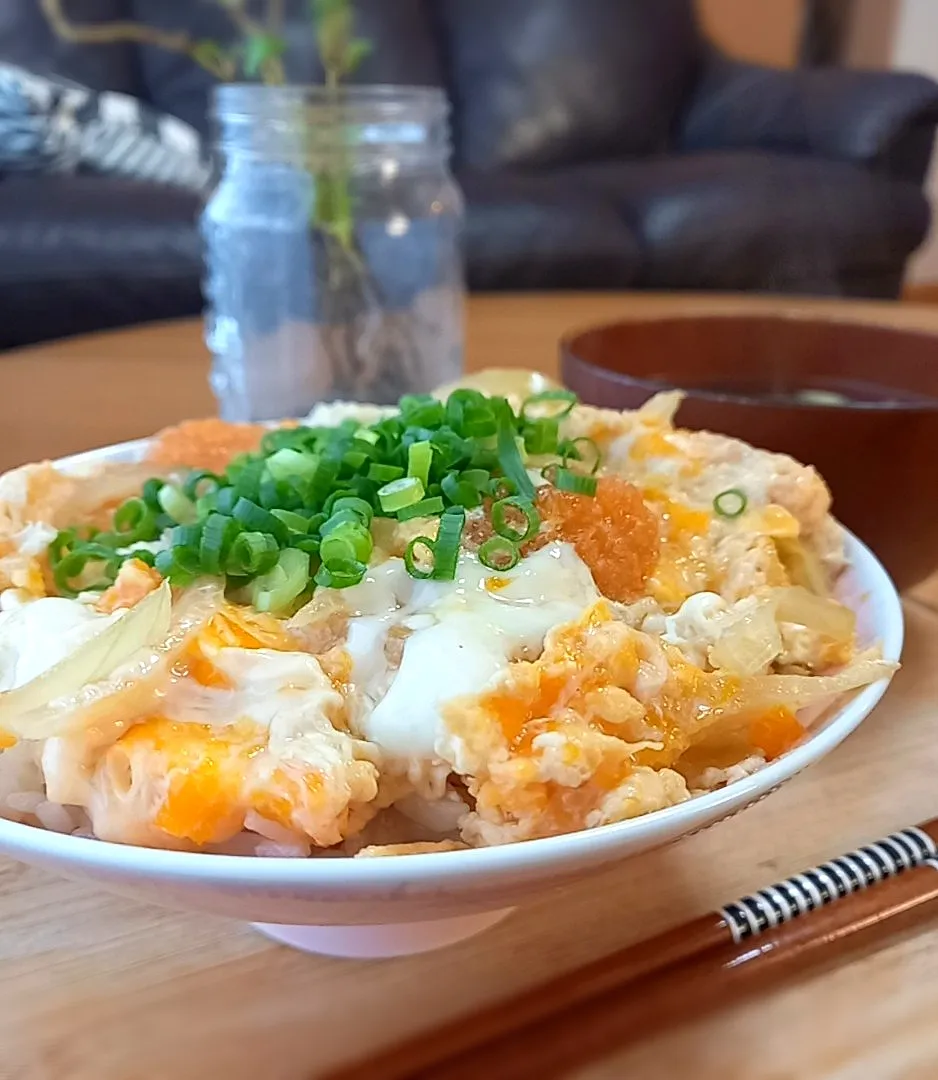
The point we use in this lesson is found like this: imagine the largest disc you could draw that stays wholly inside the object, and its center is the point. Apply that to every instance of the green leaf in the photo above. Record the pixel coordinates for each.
(334, 19)
(358, 49)
(259, 50)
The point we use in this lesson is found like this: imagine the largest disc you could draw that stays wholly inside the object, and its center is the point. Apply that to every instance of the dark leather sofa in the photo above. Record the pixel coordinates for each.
(600, 143)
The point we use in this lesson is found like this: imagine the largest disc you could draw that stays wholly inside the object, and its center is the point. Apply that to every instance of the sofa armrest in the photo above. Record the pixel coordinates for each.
(883, 121)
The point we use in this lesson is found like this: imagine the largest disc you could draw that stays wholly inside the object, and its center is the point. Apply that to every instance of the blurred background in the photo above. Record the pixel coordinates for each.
(719, 145)
(877, 35)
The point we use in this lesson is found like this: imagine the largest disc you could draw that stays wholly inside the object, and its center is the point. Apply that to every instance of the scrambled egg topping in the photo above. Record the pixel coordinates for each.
(618, 669)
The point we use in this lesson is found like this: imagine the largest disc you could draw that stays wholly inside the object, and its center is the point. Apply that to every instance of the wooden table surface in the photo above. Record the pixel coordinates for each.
(94, 987)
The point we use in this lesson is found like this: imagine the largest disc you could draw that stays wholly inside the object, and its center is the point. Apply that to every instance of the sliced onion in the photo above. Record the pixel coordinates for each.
(803, 567)
(661, 408)
(796, 604)
(507, 382)
(749, 642)
(145, 624)
(127, 692)
(798, 691)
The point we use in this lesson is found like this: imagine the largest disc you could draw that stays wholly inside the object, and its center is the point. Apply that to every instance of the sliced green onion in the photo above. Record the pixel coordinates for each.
(354, 459)
(340, 574)
(358, 506)
(200, 483)
(225, 500)
(446, 546)
(180, 508)
(470, 414)
(460, 492)
(340, 519)
(340, 493)
(479, 478)
(255, 518)
(188, 536)
(731, 503)
(419, 459)
(322, 480)
(135, 521)
(62, 545)
(151, 493)
(295, 522)
(279, 587)
(347, 542)
(218, 534)
(508, 456)
(424, 508)
(554, 405)
(207, 504)
(180, 566)
(247, 478)
(583, 450)
(422, 410)
(252, 553)
(576, 483)
(287, 463)
(309, 544)
(400, 493)
(500, 487)
(540, 436)
(74, 565)
(368, 436)
(410, 558)
(499, 553)
(521, 507)
(384, 474)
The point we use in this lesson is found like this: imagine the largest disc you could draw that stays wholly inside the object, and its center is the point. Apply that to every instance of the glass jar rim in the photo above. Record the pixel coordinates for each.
(386, 98)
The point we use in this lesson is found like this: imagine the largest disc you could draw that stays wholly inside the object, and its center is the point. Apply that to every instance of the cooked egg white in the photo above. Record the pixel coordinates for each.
(284, 693)
(459, 636)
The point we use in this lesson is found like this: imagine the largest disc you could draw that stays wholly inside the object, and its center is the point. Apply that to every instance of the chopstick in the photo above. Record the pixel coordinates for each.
(855, 901)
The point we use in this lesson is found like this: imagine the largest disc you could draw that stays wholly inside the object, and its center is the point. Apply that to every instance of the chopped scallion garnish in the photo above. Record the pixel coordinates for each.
(731, 503)
(499, 553)
(298, 513)
(400, 493)
(576, 483)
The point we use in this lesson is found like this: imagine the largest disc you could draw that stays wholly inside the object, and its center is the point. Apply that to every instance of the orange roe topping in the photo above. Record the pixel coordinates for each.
(205, 444)
(614, 533)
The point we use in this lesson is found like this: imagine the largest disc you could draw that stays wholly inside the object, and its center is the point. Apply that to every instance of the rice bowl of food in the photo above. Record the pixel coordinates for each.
(372, 679)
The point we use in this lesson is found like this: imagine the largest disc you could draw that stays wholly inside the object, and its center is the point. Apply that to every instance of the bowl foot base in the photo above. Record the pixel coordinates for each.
(375, 942)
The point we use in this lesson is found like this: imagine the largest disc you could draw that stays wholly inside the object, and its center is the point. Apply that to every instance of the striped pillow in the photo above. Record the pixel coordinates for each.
(48, 124)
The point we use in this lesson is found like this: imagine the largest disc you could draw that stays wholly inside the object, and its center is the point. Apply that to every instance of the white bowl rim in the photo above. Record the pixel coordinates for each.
(502, 862)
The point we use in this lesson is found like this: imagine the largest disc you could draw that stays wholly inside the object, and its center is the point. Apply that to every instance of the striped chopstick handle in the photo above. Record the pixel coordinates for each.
(828, 882)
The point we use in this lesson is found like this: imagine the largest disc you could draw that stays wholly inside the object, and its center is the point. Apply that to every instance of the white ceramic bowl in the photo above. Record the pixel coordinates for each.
(393, 906)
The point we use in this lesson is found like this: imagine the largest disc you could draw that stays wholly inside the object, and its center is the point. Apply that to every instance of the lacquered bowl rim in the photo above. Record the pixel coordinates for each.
(570, 355)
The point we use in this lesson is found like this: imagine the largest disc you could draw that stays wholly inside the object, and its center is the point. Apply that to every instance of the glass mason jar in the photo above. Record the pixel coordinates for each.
(333, 262)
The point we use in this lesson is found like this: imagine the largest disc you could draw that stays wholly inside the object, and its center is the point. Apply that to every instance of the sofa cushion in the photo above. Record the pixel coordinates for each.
(83, 253)
(405, 49)
(546, 82)
(762, 221)
(532, 233)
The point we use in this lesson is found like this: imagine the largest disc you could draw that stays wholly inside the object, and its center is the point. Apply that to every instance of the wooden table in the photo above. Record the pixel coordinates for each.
(93, 987)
